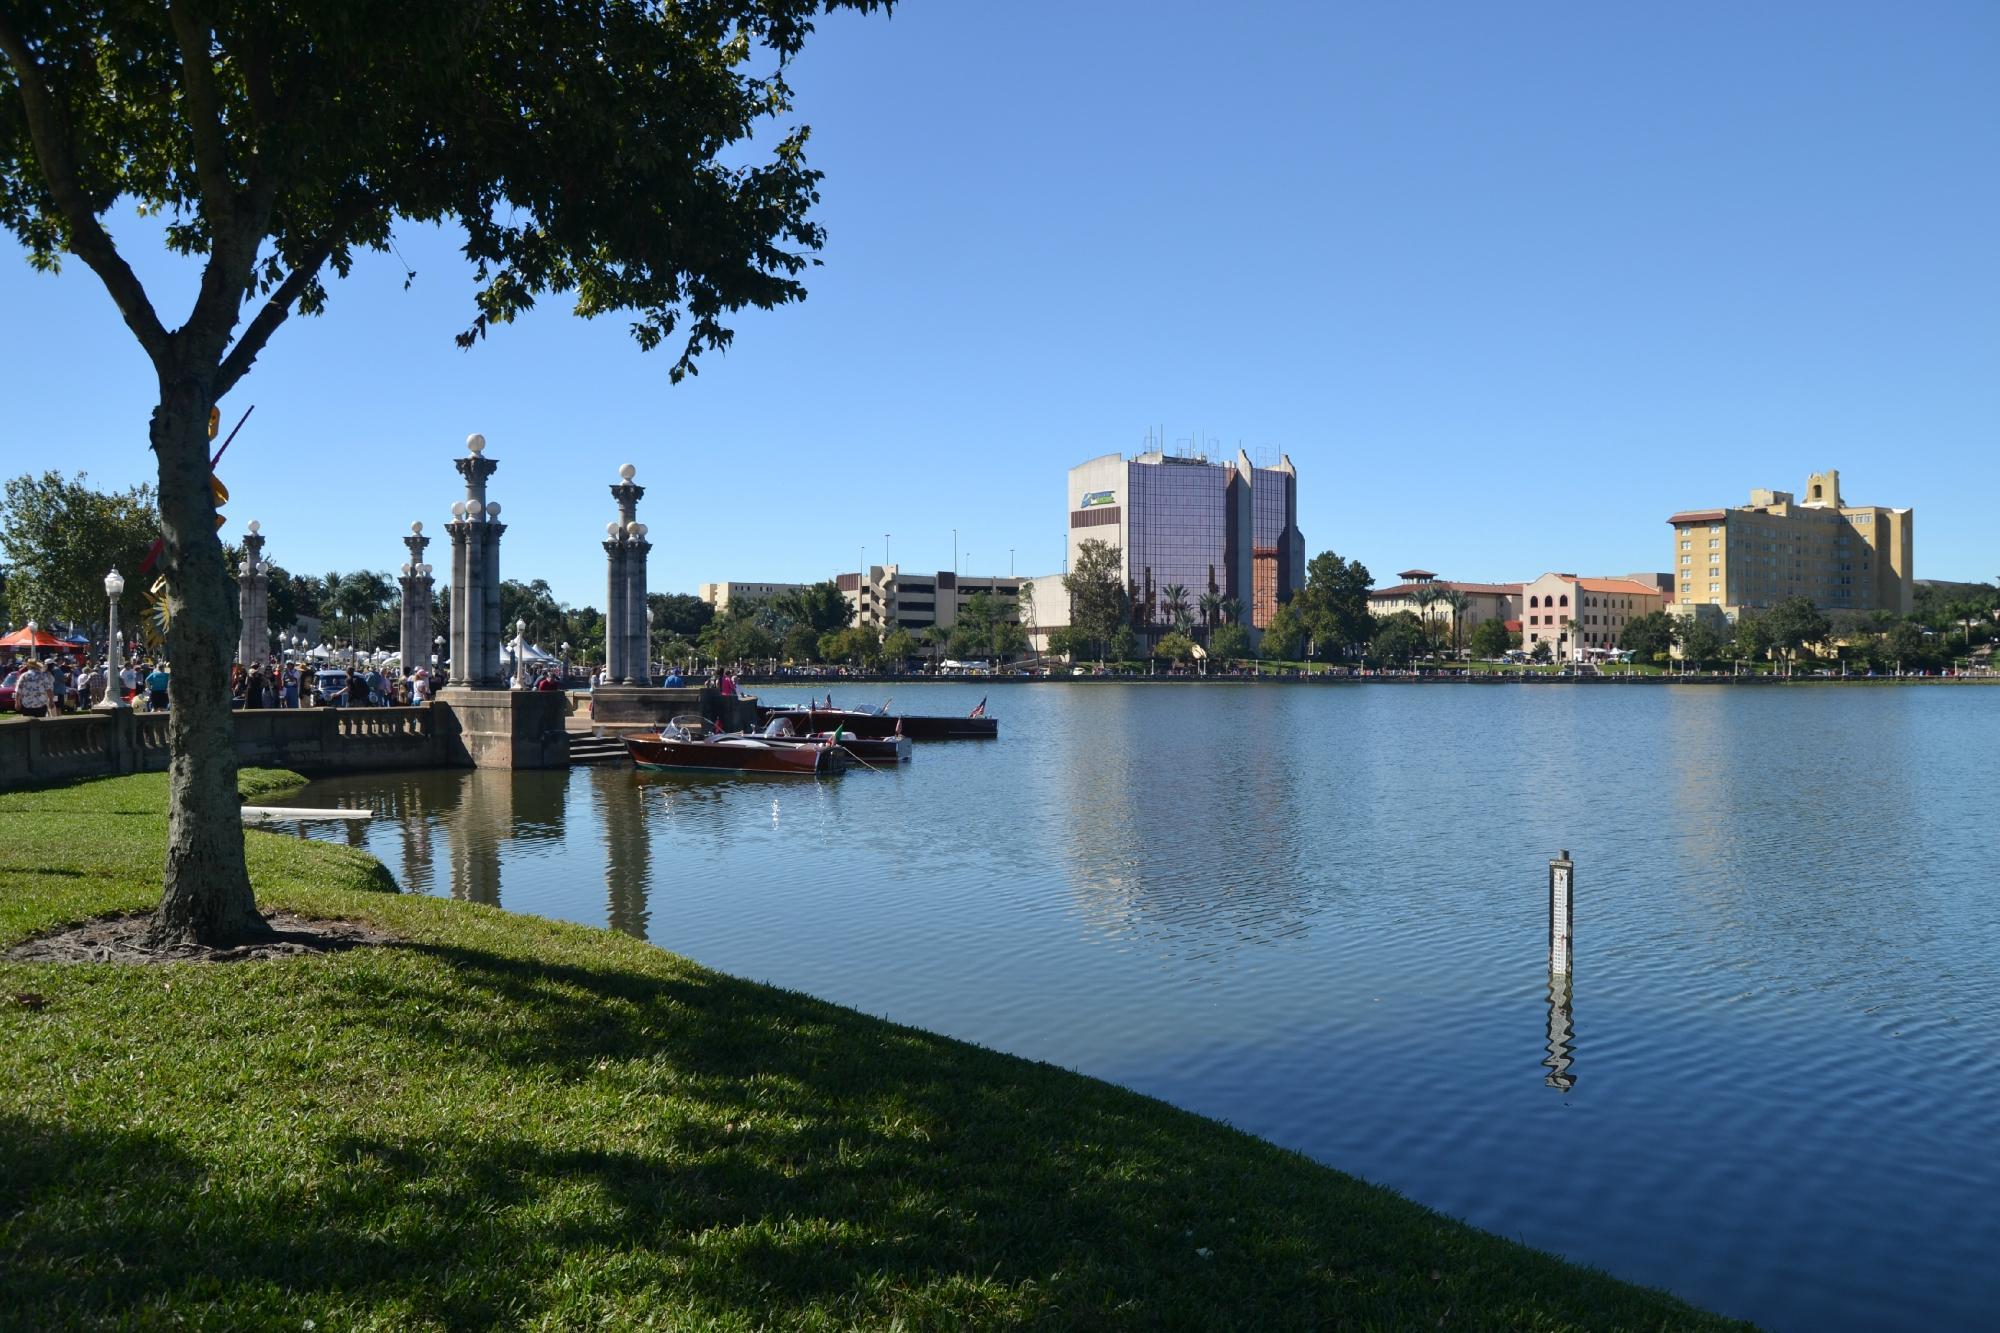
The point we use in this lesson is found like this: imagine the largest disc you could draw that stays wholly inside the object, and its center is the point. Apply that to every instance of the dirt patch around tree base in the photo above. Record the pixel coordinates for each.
(122, 939)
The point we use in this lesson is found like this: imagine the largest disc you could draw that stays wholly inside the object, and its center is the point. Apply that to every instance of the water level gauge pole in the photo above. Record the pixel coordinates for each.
(1562, 901)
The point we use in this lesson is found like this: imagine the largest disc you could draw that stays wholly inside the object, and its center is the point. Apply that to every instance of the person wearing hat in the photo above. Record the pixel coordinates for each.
(33, 690)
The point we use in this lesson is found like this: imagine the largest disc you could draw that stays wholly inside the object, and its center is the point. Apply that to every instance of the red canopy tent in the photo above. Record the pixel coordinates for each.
(33, 637)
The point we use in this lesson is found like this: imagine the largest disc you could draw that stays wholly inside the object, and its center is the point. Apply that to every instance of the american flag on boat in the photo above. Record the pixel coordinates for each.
(979, 711)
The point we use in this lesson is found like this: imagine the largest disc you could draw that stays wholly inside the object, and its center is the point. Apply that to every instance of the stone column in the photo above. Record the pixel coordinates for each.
(490, 628)
(253, 643)
(461, 580)
(475, 575)
(416, 618)
(614, 602)
(630, 662)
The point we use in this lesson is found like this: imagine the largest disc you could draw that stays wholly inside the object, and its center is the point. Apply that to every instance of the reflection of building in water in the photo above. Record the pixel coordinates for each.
(496, 806)
(1156, 819)
(1561, 1036)
(628, 846)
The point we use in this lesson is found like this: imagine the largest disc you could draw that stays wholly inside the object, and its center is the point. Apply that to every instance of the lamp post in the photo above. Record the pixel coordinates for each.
(114, 662)
(565, 660)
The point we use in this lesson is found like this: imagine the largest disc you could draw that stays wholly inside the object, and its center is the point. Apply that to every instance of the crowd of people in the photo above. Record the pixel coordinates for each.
(73, 684)
(67, 684)
(286, 684)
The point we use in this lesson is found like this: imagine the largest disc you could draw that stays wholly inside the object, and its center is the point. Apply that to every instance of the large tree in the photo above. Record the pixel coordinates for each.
(679, 613)
(1333, 606)
(601, 149)
(62, 538)
(1399, 638)
(1700, 643)
(1794, 625)
(819, 606)
(1098, 602)
(1648, 637)
(1490, 639)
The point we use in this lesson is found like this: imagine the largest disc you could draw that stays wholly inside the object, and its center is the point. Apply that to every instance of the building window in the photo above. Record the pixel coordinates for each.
(1534, 601)
(1565, 600)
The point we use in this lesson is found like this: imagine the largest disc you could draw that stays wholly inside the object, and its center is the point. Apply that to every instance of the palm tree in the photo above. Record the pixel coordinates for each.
(1174, 601)
(1231, 611)
(1211, 608)
(1455, 601)
(1426, 596)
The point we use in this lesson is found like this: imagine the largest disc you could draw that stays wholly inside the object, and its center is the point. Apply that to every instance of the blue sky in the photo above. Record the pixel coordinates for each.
(1510, 283)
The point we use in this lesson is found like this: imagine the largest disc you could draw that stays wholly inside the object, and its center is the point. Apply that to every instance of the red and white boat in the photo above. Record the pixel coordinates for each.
(684, 744)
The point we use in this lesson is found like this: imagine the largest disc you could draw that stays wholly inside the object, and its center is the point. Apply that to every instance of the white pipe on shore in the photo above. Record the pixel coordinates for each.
(258, 814)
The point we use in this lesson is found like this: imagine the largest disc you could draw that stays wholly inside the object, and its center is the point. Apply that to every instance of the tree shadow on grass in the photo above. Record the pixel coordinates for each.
(675, 1145)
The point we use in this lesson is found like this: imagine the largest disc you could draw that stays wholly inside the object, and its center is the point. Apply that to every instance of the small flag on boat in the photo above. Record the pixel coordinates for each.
(979, 711)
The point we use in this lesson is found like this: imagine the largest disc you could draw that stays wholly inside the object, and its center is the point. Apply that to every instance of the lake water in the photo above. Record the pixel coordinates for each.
(1320, 913)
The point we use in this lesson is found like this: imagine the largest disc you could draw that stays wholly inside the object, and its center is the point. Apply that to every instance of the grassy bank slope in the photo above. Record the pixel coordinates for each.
(514, 1121)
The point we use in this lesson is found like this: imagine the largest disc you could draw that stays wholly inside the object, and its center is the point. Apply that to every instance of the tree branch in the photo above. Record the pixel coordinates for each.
(279, 307)
(211, 154)
(88, 240)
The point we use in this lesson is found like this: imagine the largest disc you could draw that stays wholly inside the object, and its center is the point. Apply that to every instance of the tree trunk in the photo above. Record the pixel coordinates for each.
(207, 898)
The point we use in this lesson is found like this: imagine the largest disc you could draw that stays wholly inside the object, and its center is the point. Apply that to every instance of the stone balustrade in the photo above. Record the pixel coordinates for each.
(37, 751)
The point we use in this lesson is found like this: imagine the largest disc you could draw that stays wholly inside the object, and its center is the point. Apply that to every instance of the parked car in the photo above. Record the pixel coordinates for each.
(7, 692)
(330, 684)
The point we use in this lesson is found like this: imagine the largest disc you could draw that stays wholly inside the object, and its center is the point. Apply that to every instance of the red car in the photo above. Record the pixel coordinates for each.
(7, 691)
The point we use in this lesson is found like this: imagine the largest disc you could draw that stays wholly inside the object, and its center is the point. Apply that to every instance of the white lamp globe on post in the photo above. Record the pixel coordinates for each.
(114, 658)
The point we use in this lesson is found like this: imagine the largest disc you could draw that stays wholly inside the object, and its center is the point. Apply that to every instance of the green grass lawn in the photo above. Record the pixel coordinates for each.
(512, 1121)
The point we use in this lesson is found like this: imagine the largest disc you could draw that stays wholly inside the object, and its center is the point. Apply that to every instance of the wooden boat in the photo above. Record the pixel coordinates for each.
(810, 718)
(679, 746)
(869, 750)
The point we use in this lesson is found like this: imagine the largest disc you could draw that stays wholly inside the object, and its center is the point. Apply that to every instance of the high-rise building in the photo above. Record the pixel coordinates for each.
(1844, 557)
(1192, 524)
(1277, 551)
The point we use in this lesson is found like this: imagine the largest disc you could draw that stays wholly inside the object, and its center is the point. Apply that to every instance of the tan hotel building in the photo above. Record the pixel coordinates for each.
(1844, 557)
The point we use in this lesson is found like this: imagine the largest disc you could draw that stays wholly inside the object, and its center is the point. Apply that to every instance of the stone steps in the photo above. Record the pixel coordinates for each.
(586, 749)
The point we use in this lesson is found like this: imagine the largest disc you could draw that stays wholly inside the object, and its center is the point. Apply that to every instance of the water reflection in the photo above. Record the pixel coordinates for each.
(628, 847)
(1561, 1035)
(495, 807)
(1172, 838)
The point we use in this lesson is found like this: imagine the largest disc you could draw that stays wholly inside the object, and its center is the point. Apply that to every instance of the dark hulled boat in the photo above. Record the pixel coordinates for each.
(868, 749)
(864, 722)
